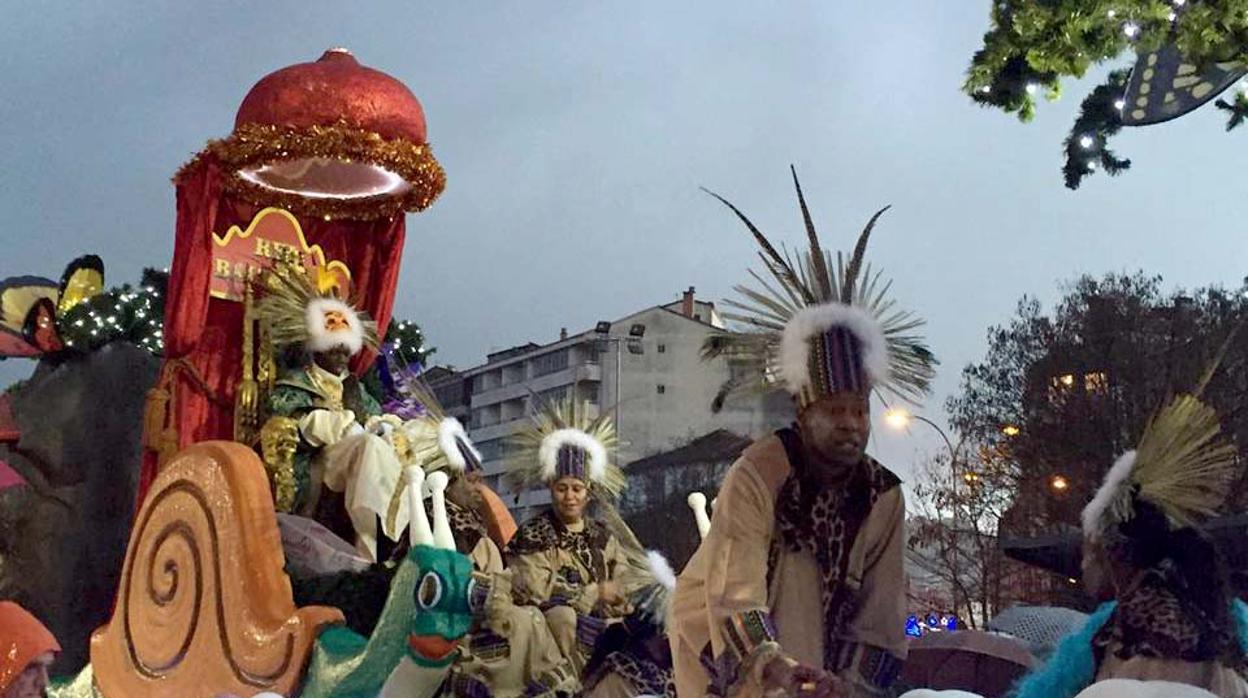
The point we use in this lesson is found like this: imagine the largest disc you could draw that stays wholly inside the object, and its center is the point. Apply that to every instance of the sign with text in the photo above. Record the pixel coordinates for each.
(274, 235)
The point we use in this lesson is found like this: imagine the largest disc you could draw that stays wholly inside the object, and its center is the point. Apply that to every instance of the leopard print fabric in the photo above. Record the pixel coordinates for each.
(466, 525)
(545, 531)
(825, 522)
(1153, 621)
(645, 677)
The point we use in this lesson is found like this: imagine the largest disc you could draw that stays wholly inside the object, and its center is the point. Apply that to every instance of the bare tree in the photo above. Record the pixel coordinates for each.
(953, 541)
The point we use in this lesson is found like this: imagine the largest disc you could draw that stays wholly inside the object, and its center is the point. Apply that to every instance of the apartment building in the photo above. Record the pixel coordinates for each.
(647, 365)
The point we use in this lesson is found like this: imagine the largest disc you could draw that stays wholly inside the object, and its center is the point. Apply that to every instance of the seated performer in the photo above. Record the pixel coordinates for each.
(510, 652)
(565, 562)
(798, 586)
(345, 444)
(1173, 617)
(27, 649)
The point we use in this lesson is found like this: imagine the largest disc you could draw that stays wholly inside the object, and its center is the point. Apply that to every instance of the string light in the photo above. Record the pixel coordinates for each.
(1111, 14)
(1120, 104)
(118, 314)
(1131, 29)
(1031, 88)
(1086, 142)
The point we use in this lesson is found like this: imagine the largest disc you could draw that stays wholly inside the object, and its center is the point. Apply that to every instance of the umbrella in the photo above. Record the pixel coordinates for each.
(498, 519)
(968, 660)
(1041, 627)
(1126, 688)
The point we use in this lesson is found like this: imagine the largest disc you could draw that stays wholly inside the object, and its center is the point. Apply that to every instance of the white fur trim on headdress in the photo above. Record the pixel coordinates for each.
(814, 320)
(1093, 517)
(661, 569)
(548, 454)
(320, 340)
(450, 433)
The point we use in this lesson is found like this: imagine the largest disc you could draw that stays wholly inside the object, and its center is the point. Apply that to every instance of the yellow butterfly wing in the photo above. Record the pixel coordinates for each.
(83, 280)
(19, 294)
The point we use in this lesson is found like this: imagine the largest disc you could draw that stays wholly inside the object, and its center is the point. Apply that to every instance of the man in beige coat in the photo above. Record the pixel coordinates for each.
(798, 587)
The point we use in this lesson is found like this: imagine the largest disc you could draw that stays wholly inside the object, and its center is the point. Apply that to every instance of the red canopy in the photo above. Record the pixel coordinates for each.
(340, 119)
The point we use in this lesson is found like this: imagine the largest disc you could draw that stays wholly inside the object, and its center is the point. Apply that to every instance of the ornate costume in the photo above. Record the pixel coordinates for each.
(1173, 618)
(559, 568)
(344, 442)
(509, 653)
(792, 567)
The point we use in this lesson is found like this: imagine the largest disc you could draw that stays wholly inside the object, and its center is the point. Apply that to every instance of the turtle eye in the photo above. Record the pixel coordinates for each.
(429, 591)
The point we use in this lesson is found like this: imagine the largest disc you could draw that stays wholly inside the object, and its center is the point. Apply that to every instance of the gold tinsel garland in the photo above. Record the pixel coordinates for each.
(254, 144)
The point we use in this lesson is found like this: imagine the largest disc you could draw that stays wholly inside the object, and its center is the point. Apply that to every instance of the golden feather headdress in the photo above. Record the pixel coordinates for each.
(1182, 465)
(294, 306)
(561, 435)
(799, 299)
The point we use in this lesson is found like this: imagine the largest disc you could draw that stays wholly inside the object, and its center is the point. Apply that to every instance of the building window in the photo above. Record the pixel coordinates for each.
(550, 363)
(589, 393)
(589, 352)
(512, 374)
(492, 449)
(662, 348)
(662, 389)
(551, 395)
(485, 416)
(1096, 383)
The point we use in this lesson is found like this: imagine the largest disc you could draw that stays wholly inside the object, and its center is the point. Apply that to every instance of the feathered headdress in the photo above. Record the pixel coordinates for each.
(1182, 466)
(298, 311)
(437, 440)
(562, 440)
(819, 327)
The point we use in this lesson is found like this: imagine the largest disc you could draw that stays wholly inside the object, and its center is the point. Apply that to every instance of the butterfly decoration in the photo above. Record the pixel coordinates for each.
(30, 307)
(1164, 86)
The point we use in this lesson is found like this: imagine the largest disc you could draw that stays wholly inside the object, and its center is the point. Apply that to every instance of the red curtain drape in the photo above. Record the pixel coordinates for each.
(204, 334)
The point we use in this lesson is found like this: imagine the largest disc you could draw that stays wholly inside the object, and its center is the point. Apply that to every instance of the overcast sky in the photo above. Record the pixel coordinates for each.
(575, 136)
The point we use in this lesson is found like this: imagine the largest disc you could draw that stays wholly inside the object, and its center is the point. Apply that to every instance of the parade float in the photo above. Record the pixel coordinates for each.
(324, 161)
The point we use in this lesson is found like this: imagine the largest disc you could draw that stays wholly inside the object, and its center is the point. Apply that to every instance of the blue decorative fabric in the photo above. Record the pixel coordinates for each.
(1072, 667)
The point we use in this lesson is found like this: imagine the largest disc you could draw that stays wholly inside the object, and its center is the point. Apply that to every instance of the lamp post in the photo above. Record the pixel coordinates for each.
(634, 345)
(899, 418)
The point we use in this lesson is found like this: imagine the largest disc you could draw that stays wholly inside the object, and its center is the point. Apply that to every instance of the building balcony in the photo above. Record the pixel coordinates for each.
(584, 373)
(499, 430)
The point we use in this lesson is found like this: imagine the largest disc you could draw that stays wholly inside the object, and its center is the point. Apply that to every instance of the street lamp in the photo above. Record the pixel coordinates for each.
(634, 346)
(900, 418)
